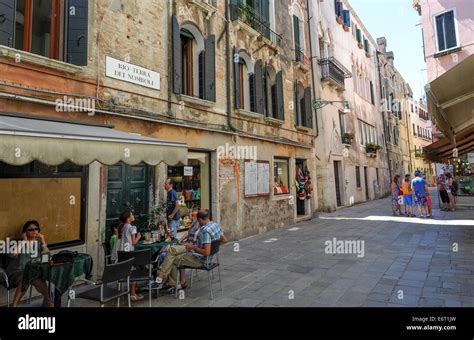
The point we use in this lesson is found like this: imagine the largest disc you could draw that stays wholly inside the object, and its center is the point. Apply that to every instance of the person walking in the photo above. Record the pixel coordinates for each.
(450, 191)
(396, 191)
(443, 194)
(407, 196)
(172, 211)
(418, 184)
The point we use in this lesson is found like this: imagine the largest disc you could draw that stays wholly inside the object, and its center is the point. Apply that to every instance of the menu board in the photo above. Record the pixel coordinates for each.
(257, 178)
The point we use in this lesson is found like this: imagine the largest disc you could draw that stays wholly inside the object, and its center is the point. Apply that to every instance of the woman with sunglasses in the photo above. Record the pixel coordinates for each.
(31, 234)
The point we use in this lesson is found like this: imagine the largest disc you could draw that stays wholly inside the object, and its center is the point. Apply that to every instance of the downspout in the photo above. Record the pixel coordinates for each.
(228, 66)
(383, 116)
(408, 134)
(171, 11)
(310, 17)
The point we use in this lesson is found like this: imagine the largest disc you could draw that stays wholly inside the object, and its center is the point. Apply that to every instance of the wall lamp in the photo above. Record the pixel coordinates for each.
(320, 103)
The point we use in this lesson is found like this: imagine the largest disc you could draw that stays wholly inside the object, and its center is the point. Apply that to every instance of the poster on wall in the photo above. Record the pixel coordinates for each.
(251, 187)
(263, 178)
(257, 178)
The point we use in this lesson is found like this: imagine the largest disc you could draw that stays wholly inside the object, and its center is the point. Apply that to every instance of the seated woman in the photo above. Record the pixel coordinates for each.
(16, 266)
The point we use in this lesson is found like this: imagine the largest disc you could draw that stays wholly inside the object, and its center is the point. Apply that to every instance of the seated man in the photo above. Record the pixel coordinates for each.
(191, 255)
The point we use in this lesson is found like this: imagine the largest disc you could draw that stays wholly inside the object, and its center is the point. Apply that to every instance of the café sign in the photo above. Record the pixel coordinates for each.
(134, 74)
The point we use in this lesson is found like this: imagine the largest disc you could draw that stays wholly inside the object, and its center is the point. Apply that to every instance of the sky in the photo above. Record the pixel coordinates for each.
(397, 21)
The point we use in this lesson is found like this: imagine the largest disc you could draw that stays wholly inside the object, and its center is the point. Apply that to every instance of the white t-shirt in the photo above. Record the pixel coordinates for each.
(125, 242)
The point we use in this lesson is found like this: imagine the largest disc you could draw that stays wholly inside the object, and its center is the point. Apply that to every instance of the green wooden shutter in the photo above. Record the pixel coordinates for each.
(177, 56)
(279, 96)
(7, 22)
(210, 68)
(307, 106)
(259, 100)
(77, 32)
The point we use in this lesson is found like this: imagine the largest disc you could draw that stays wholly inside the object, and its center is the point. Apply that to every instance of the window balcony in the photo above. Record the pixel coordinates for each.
(333, 72)
(250, 17)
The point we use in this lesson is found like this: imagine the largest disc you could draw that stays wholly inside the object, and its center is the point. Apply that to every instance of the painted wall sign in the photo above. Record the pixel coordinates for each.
(134, 74)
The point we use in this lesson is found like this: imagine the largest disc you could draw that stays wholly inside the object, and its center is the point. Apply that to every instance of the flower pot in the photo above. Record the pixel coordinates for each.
(346, 28)
(339, 20)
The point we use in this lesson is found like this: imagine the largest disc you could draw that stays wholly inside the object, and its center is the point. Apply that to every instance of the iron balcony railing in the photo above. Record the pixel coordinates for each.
(299, 55)
(333, 71)
(248, 15)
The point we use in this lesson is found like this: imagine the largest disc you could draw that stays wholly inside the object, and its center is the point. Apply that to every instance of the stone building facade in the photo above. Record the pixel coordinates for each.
(220, 79)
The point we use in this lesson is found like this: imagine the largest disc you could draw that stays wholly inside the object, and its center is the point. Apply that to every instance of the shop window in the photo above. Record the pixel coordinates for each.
(38, 27)
(193, 183)
(52, 195)
(281, 176)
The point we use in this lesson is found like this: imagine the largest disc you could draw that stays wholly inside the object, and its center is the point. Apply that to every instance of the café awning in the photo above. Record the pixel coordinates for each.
(451, 98)
(27, 139)
(441, 150)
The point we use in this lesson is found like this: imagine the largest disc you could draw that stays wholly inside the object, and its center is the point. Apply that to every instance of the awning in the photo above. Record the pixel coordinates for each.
(451, 98)
(441, 150)
(27, 139)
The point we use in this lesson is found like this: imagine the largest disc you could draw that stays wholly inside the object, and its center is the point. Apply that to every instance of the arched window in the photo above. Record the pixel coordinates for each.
(244, 79)
(298, 32)
(303, 108)
(192, 51)
(193, 62)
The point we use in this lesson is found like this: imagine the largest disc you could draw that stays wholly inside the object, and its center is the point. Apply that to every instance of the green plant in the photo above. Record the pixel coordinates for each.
(371, 147)
(151, 221)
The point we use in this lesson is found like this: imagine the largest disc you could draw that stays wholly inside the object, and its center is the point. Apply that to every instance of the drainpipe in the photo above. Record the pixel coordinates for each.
(310, 17)
(408, 134)
(383, 116)
(228, 66)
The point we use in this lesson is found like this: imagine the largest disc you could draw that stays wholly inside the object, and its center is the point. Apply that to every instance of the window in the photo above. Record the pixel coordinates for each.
(342, 124)
(358, 176)
(378, 178)
(411, 107)
(245, 79)
(38, 27)
(414, 131)
(30, 186)
(367, 133)
(358, 36)
(298, 33)
(281, 176)
(372, 97)
(193, 62)
(304, 110)
(445, 31)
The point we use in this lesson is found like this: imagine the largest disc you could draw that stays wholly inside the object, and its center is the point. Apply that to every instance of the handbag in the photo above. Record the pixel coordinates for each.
(64, 256)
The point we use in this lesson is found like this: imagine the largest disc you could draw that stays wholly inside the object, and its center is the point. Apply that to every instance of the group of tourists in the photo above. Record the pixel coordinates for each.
(415, 191)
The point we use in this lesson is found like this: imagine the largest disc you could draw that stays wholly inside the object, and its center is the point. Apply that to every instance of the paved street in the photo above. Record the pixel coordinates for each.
(407, 262)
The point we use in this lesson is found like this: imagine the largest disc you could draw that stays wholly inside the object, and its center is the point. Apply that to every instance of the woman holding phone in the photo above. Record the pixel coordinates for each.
(30, 234)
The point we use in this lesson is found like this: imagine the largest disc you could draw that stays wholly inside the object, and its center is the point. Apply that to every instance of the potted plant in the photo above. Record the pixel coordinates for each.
(347, 138)
(151, 222)
(372, 148)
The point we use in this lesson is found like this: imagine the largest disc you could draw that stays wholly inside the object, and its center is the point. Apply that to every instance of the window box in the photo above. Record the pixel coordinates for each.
(347, 138)
(372, 149)
(196, 101)
(419, 154)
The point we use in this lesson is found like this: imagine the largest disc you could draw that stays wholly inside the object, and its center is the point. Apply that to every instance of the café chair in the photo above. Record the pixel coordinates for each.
(142, 267)
(212, 262)
(107, 253)
(101, 292)
(6, 283)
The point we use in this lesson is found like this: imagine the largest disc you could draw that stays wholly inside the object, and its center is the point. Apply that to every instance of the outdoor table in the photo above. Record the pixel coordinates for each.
(155, 246)
(61, 275)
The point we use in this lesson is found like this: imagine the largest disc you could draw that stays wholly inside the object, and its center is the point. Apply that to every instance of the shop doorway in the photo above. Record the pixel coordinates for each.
(127, 186)
(300, 203)
(337, 181)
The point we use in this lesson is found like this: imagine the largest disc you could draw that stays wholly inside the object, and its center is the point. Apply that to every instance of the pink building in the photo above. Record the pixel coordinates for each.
(448, 37)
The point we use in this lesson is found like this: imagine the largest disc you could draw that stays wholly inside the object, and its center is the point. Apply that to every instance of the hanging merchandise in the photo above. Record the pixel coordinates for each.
(308, 185)
(300, 184)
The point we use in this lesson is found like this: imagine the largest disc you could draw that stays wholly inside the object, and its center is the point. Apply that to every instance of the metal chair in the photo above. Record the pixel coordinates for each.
(143, 266)
(101, 292)
(209, 265)
(6, 283)
(107, 253)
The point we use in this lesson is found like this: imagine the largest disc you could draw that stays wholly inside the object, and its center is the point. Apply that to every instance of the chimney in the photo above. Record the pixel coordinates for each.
(382, 44)
(390, 57)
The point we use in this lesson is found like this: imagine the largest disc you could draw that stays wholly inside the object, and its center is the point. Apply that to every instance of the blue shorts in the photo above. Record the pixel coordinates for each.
(408, 199)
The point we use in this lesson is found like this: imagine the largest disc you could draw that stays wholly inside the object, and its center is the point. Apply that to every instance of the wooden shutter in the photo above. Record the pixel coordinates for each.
(279, 96)
(296, 30)
(210, 68)
(7, 22)
(346, 16)
(259, 100)
(202, 75)
(177, 55)
(252, 92)
(235, 57)
(77, 32)
(234, 9)
(307, 106)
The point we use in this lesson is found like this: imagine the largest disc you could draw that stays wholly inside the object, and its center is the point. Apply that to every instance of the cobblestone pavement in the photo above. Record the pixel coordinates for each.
(406, 262)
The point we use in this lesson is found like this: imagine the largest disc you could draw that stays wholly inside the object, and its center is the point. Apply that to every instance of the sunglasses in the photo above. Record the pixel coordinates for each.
(33, 229)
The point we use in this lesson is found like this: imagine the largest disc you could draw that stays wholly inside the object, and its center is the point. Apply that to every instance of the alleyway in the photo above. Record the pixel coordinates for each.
(402, 256)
